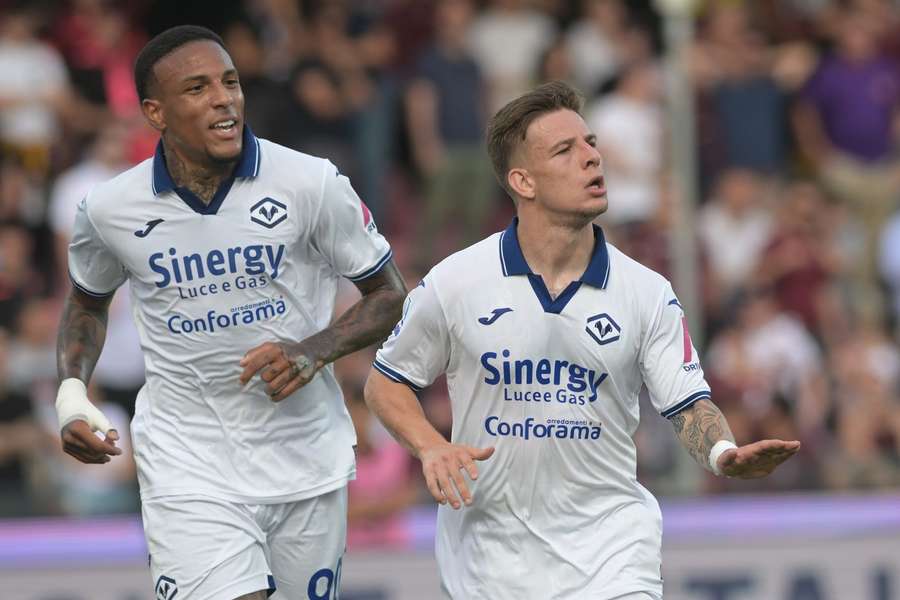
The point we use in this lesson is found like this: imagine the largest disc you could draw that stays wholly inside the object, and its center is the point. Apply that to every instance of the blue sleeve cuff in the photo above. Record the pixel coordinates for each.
(686, 403)
(394, 375)
(373, 270)
(90, 293)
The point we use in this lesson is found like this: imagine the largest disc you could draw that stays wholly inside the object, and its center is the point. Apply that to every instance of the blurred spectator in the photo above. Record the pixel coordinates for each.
(735, 227)
(601, 41)
(507, 41)
(120, 370)
(320, 119)
(866, 373)
(283, 33)
(800, 258)
(850, 102)
(845, 128)
(32, 347)
(20, 438)
(16, 274)
(385, 484)
(21, 198)
(556, 64)
(445, 107)
(100, 46)
(733, 68)
(629, 128)
(354, 40)
(265, 100)
(768, 358)
(33, 91)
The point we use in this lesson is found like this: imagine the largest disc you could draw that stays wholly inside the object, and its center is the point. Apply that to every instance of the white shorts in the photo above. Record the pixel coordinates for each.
(202, 548)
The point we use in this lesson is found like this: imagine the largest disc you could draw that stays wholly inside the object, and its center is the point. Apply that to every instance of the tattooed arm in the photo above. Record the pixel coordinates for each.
(700, 426)
(288, 367)
(81, 336)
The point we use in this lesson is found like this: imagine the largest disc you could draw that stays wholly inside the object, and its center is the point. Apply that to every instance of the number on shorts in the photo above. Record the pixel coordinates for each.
(332, 584)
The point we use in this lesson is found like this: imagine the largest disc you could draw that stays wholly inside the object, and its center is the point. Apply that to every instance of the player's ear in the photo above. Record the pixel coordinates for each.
(521, 182)
(153, 112)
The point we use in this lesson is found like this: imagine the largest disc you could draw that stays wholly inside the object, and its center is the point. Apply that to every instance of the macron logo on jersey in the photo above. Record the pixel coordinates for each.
(257, 259)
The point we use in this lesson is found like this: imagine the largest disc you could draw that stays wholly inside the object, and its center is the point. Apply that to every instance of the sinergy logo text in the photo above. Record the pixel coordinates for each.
(574, 383)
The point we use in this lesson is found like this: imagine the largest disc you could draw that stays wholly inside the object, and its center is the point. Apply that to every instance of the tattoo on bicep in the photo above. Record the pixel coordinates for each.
(81, 336)
(700, 427)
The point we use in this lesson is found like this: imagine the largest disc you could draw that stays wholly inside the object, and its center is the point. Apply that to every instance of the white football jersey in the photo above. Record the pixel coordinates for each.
(553, 384)
(260, 263)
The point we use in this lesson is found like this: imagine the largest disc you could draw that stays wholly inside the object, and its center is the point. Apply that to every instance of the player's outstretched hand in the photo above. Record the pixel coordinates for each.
(443, 467)
(284, 367)
(757, 459)
(79, 441)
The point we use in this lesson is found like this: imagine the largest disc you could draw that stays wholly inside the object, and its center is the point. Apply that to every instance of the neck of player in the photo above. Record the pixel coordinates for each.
(559, 253)
(202, 179)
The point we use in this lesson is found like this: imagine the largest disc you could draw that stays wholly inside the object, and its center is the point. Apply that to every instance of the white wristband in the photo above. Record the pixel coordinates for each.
(718, 450)
(72, 404)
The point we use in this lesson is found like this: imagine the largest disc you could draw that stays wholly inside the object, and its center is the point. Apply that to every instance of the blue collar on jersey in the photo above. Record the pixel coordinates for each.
(248, 166)
(513, 263)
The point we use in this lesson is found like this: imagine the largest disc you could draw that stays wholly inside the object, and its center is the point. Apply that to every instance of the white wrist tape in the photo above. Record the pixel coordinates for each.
(718, 450)
(72, 404)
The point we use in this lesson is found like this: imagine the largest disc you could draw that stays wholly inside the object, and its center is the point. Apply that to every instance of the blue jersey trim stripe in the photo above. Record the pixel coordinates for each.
(550, 304)
(90, 293)
(513, 261)
(378, 266)
(687, 402)
(271, 583)
(395, 376)
(248, 166)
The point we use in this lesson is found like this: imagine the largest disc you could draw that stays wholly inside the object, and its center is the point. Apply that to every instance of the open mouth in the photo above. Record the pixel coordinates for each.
(597, 184)
(225, 126)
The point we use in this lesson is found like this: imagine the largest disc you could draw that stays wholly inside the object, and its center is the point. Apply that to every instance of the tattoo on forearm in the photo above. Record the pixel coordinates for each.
(699, 428)
(368, 321)
(81, 336)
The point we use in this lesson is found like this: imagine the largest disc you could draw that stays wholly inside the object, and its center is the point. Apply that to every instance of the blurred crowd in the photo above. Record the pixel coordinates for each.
(797, 221)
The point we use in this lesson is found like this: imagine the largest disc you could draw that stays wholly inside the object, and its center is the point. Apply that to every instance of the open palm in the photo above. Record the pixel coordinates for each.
(757, 459)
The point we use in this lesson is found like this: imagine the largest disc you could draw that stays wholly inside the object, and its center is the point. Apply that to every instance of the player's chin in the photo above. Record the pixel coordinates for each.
(224, 152)
(594, 206)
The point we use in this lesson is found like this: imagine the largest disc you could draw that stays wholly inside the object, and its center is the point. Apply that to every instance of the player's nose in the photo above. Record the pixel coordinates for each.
(220, 96)
(592, 156)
